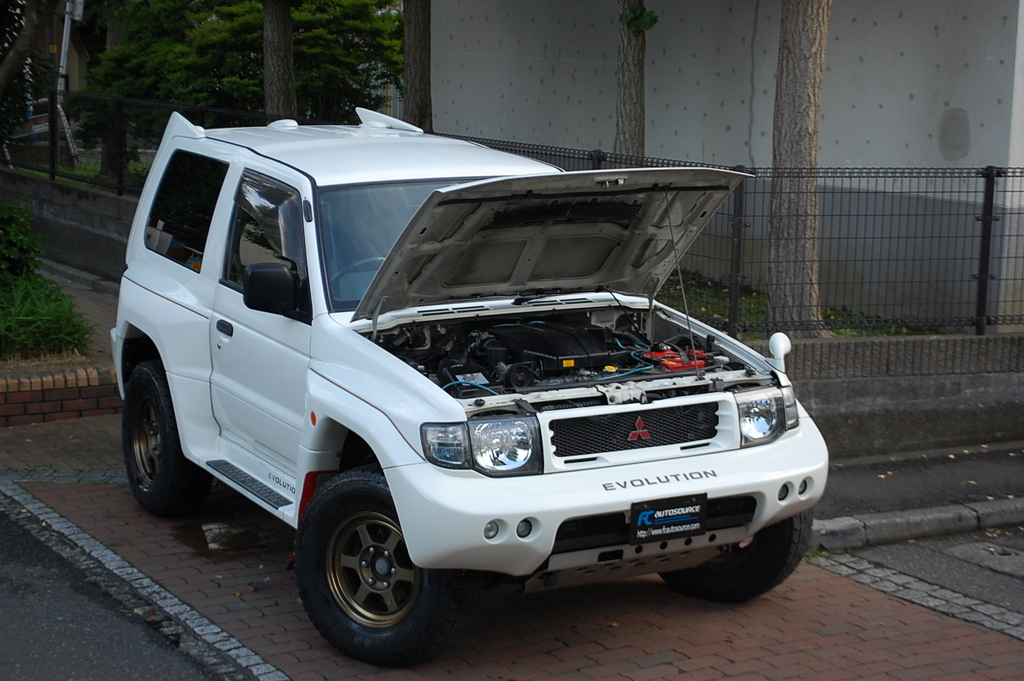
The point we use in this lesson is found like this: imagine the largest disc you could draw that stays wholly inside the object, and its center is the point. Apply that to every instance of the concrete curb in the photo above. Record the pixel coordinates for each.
(872, 529)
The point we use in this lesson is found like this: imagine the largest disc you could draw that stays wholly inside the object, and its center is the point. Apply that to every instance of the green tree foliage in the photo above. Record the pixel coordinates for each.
(20, 247)
(210, 53)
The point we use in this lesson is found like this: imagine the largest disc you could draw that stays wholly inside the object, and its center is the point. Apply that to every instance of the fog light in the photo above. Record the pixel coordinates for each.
(491, 530)
(783, 492)
(803, 487)
(524, 528)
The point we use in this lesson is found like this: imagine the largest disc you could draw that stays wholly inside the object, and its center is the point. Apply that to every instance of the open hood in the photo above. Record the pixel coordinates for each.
(548, 234)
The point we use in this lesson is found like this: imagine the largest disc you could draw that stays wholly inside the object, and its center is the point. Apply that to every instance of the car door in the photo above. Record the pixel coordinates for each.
(260, 359)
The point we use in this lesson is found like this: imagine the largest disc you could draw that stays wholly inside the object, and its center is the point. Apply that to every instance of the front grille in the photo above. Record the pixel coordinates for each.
(594, 532)
(634, 430)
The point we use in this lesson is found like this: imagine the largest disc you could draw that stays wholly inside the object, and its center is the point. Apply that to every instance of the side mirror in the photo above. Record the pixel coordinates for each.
(270, 287)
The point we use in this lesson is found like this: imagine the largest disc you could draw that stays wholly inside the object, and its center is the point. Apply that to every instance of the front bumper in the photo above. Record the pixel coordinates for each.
(443, 512)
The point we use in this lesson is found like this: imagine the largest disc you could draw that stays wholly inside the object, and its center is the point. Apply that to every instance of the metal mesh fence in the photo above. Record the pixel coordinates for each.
(898, 250)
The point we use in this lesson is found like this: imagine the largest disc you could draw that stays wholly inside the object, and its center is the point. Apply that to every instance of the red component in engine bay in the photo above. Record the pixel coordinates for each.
(673, 361)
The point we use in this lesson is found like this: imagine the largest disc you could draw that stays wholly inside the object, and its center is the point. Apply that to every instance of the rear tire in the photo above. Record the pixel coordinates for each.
(743, 572)
(163, 481)
(359, 585)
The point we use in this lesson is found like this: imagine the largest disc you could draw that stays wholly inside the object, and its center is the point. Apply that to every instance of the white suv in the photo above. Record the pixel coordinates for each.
(444, 365)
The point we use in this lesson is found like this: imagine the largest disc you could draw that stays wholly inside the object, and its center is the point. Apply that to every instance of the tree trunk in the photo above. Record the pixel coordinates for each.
(793, 224)
(629, 91)
(278, 60)
(417, 100)
(37, 14)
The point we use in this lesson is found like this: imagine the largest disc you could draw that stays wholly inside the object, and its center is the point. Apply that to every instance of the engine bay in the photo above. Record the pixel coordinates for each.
(531, 353)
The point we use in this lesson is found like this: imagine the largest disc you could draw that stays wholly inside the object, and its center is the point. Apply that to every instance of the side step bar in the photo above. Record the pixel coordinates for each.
(251, 484)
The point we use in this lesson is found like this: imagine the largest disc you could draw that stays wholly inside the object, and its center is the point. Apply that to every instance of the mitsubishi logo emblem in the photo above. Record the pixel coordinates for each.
(640, 432)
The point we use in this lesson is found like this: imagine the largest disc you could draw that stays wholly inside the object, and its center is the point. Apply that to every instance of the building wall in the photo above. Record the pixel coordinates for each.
(908, 82)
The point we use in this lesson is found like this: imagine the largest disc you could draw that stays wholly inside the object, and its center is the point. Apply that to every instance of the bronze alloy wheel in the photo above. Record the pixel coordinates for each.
(163, 481)
(145, 443)
(369, 571)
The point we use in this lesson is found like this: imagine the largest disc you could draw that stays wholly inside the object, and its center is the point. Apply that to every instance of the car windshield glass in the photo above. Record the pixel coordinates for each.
(358, 226)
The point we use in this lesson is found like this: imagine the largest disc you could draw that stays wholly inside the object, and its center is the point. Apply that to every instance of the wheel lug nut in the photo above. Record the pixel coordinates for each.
(371, 581)
(364, 563)
(386, 584)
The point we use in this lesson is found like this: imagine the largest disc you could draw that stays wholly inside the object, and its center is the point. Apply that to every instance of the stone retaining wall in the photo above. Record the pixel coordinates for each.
(886, 396)
(85, 228)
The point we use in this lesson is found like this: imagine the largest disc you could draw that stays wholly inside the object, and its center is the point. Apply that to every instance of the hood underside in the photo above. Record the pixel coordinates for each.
(547, 235)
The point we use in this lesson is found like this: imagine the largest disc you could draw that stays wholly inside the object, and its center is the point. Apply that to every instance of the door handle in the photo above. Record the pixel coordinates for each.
(224, 326)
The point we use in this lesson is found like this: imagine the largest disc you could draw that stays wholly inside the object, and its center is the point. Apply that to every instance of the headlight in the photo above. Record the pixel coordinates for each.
(495, 447)
(762, 415)
(446, 444)
(506, 446)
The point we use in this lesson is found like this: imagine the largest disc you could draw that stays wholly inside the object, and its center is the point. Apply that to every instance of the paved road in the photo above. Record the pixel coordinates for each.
(58, 623)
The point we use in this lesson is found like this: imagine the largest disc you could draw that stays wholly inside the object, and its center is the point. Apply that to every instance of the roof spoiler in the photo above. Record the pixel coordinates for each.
(378, 120)
(179, 126)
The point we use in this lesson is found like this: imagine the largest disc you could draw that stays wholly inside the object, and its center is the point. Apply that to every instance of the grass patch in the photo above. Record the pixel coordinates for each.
(816, 553)
(38, 321)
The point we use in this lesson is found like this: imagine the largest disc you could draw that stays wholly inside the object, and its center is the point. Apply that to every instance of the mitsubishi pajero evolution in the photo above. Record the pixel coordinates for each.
(445, 367)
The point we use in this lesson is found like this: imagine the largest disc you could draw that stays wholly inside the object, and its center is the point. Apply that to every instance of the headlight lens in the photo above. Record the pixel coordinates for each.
(446, 444)
(506, 446)
(495, 447)
(762, 415)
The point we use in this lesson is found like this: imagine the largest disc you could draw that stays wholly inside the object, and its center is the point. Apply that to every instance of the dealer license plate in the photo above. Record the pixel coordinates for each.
(664, 519)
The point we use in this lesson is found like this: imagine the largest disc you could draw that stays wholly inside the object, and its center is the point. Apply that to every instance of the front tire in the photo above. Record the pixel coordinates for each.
(163, 481)
(745, 571)
(359, 585)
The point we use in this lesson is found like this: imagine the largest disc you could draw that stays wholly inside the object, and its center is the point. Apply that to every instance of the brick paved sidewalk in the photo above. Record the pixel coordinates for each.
(228, 564)
(817, 625)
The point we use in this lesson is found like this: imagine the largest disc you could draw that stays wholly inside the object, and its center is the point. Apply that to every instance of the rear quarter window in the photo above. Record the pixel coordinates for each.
(179, 221)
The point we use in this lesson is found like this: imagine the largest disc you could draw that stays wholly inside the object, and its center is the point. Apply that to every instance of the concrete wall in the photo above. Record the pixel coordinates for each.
(885, 396)
(907, 83)
(869, 396)
(85, 228)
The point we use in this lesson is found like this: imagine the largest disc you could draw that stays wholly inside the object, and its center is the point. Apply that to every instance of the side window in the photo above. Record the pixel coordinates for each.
(267, 227)
(179, 221)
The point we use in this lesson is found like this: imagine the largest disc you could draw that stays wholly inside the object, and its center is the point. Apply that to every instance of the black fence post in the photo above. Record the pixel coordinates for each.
(122, 142)
(597, 158)
(984, 275)
(739, 223)
(53, 128)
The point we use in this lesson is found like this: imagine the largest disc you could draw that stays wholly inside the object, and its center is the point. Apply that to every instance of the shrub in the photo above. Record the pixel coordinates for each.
(37, 319)
(20, 247)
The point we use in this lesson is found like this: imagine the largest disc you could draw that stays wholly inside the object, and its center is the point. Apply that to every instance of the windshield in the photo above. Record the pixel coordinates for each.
(358, 226)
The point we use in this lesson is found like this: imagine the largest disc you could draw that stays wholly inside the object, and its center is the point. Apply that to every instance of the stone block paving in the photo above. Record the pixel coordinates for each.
(224, 573)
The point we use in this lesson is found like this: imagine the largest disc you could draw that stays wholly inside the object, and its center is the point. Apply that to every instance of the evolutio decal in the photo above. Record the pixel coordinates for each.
(658, 480)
